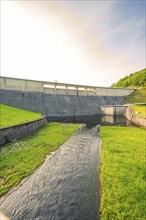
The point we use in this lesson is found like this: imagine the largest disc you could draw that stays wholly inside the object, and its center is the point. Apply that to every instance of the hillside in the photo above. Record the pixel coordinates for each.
(138, 96)
(11, 116)
(137, 79)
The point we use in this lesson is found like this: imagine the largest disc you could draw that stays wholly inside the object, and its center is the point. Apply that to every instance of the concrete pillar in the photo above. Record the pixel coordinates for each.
(86, 91)
(3, 84)
(25, 85)
(77, 90)
(43, 89)
(66, 90)
(55, 89)
(94, 91)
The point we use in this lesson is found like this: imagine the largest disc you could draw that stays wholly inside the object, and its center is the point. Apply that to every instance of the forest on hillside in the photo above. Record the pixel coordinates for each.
(137, 79)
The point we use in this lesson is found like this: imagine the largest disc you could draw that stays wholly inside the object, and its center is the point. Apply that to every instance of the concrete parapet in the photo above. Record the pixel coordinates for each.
(16, 84)
(71, 92)
(11, 133)
(12, 84)
(49, 90)
(34, 86)
(113, 91)
(61, 91)
(139, 121)
(2, 83)
(82, 92)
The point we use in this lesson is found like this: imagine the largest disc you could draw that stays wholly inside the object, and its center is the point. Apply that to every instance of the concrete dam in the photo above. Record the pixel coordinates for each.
(59, 101)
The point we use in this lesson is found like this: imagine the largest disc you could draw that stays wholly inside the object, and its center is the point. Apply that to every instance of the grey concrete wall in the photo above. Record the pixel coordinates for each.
(58, 105)
(8, 83)
(113, 110)
(57, 99)
(139, 121)
(113, 120)
(18, 131)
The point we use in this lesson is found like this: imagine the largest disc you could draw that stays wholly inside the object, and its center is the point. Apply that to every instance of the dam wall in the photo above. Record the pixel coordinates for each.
(59, 100)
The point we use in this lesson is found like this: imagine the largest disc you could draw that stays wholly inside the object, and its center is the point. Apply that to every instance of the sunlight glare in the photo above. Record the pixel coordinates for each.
(42, 44)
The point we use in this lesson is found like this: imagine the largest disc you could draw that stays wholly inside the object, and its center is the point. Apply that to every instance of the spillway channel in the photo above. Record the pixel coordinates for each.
(65, 186)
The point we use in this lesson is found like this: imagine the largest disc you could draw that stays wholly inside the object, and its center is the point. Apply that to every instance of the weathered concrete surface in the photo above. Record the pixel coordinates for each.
(58, 99)
(58, 105)
(139, 121)
(9, 83)
(65, 187)
(115, 110)
(18, 131)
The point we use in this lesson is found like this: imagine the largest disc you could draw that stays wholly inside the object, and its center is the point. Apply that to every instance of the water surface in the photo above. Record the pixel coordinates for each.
(65, 187)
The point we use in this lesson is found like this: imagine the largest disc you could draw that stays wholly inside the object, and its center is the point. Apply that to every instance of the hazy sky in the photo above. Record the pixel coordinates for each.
(82, 42)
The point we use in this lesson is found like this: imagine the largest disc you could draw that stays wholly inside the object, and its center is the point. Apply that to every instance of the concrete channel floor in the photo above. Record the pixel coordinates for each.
(65, 187)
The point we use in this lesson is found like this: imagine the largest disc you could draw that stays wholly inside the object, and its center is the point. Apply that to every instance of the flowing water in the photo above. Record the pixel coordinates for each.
(65, 187)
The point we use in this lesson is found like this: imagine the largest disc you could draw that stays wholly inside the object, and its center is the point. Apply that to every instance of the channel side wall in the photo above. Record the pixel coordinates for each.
(58, 105)
(11, 133)
(139, 121)
(113, 110)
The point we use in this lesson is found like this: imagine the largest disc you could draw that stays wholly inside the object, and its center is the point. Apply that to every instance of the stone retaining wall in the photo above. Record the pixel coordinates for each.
(139, 121)
(11, 133)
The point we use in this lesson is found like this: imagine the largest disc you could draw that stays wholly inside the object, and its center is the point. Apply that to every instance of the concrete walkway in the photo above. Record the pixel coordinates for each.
(65, 187)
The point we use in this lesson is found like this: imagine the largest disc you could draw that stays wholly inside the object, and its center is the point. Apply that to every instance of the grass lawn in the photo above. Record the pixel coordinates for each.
(138, 96)
(123, 173)
(11, 116)
(20, 158)
(141, 109)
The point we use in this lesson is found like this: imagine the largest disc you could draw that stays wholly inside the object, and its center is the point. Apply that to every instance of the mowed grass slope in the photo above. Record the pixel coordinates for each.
(138, 96)
(123, 173)
(11, 116)
(22, 157)
(140, 109)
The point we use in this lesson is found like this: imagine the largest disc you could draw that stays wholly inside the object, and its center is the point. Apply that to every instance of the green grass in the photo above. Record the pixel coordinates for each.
(123, 173)
(22, 157)
(11, 116)
(141, 109)
(138, 96)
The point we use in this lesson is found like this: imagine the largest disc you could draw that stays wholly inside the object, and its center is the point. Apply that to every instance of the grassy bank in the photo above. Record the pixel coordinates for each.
(141, 109)
(11, 116)
(123, 173)
(21, 158)
(138, 96)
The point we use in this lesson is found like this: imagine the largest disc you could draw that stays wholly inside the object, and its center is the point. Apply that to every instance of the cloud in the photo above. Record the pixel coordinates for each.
(68, 42)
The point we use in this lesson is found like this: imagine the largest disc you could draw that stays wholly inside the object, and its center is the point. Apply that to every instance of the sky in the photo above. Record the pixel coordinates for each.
(78, 42)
